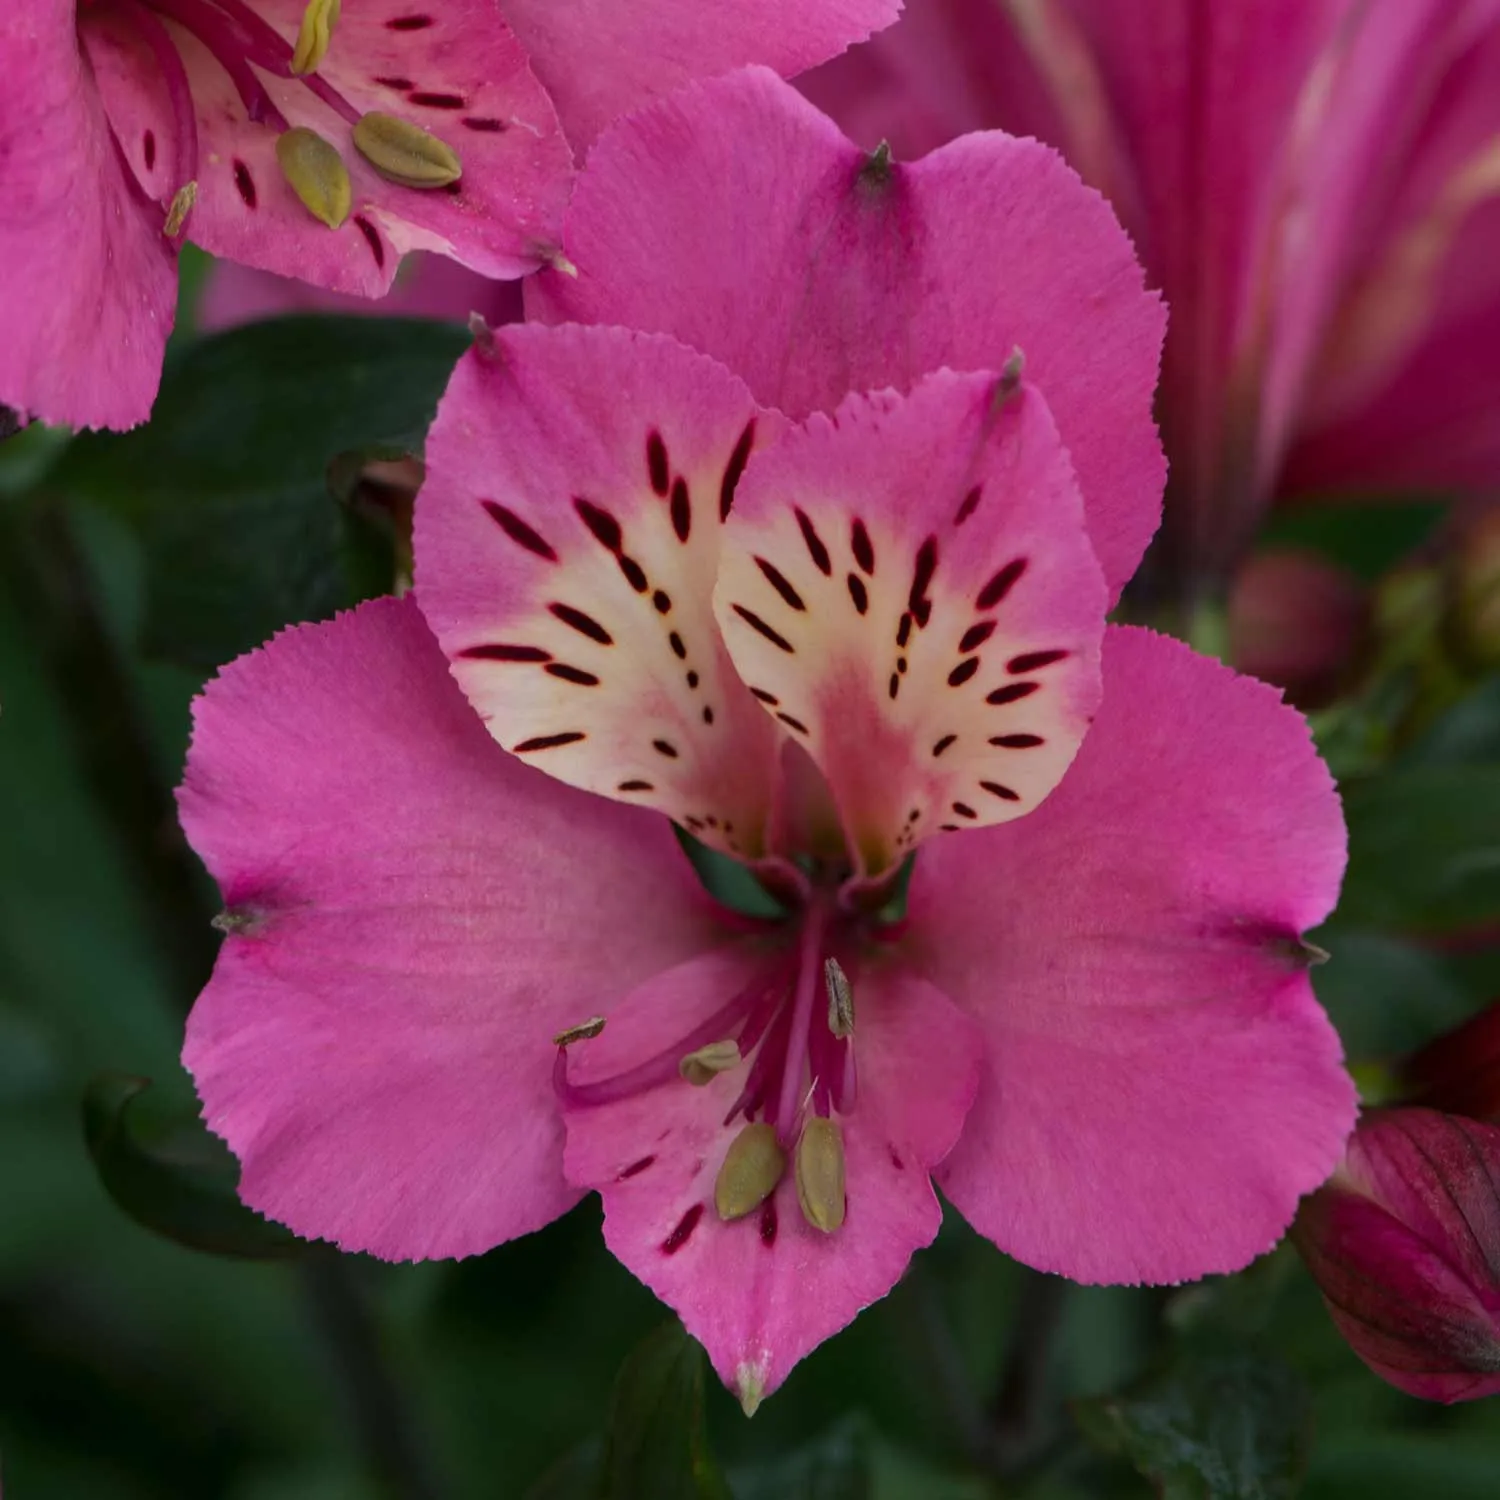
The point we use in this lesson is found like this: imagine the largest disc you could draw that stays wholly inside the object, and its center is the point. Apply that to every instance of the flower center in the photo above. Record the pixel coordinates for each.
(791, 1030)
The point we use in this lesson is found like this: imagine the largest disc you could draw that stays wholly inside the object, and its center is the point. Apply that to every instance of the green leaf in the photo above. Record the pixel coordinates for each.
(1467, 734)
(169, 1174)
(1216, 1426)
(836, 1467)
(1424, 848)
(655, 1443)
(231, 484)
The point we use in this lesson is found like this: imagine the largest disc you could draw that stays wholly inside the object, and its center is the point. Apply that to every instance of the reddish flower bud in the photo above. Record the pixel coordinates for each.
(1459, 1072)
(1298, 621)
(1404, 1243)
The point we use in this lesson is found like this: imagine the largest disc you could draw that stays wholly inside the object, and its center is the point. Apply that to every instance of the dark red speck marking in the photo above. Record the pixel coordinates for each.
(517, 530)
(963, 671)
(682, 509)
(484, 124)
(1032, 660)
(662, 601)
(572, 674)
(858, 592)
(548, 742)
(505, 652)
(244, 183)
(148, 149)
(735, 468)
(635, 1168)
(862, 547)
(399, 84)
(636, 785)
(768, 1223)
(779, 581)
(917, 602)
(758, 625)
(583, 623)
(410, 23)
(1016, 741)
(1001, 583)
(816, 549)
(438, 101)
(685, 1227)
(975, 636)
(372, 239)
(1004, 793)
(1011, 692)
(656, 463)
(968, 506)
(943, 743)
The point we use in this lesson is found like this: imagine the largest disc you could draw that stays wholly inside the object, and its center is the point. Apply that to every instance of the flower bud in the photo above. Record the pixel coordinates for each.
(1404, 1243)
(1298, 621)
(1459, 1072)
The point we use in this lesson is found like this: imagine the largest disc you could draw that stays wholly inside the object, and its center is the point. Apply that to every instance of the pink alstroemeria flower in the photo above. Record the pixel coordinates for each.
(126, 125)
(1315, 186)
(826, 636)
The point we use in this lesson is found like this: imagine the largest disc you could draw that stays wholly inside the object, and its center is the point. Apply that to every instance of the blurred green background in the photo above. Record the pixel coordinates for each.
(133, 1367)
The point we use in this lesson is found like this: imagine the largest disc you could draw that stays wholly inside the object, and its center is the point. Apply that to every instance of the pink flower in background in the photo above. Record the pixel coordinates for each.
(1404, 1243)
(1313, 184)
(693, 574)
(311, 141)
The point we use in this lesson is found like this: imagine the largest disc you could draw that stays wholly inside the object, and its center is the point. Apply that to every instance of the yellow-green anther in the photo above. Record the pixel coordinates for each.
(585, 1031)
(179, 208)
(840, 998)
(751, 1170)
(820, 1174)
(405, 153)
(704, 1065)
(318, 21)
(317, 174)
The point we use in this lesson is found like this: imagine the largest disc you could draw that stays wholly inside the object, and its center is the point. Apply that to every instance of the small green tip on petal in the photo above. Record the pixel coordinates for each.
(750, 1387)
(316, 174)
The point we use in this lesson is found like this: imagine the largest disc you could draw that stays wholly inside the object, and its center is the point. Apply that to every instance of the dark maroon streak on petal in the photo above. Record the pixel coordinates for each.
(778, 581)
(517, 530)
(656, 464)
(1001, 584)
(975, 636)
(819, 553)
(685, 1226)
(548, 742)
(735, 469)
(1032, 660)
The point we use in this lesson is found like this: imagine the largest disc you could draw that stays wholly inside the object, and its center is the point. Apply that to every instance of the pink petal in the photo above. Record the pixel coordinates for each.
(951, 66)
(1373, 91)
(462, 77)
(1160, 1085)
(762, 1291)
(1405, 386)
(427, 286)
(738, 219)
(567, 541)
(601, 58)
(412, 916)
(91, 284)
(1206, 97)
(909, 587)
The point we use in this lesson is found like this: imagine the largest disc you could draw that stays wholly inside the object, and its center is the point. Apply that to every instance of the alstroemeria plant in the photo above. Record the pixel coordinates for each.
(471, 975)
(312, 140)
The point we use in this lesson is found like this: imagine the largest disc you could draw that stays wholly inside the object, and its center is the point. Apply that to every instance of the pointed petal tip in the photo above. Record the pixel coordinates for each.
(750, 1387)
